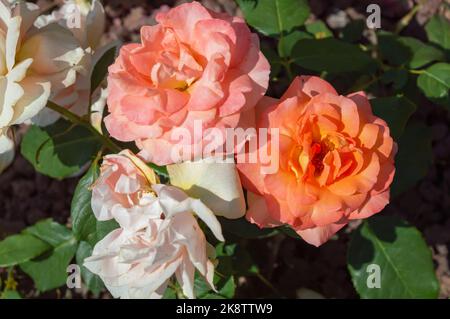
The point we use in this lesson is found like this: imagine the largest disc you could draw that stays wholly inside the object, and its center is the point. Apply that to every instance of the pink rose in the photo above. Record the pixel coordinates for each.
(194, 66)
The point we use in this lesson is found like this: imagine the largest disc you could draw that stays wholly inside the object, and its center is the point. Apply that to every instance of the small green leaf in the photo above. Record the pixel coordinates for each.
(319, 30)
(101, 67)
(92, 281)
(160, 170)
(104, 228)
(50, 270)
(288, 42)
(225, 287)
(10, 294)
(170, 293)
(435, 83)
(331, 55)
(438, 31)
(401, 255)
(398, 78)
(353, 31)
(84, 222)
(274, 17)
(407, 51)
(20, 248)
(414, 157)
(395, 110)
(59, 150)
(49, 231)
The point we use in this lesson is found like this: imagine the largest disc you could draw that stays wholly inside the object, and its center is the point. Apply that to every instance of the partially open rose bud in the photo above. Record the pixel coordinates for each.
(158, 237)
(86, 21)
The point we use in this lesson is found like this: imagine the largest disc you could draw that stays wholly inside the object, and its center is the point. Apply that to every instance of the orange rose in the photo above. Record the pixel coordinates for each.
(336, 161)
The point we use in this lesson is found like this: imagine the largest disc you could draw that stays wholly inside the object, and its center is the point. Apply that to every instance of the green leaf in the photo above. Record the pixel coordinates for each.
(49, 271)
(398, 78)
(104, 228)
(59, 150)
(435, 83)
(170, 293)
(438, 31)
(406, 266)
(314, 54)
(84, 222)
(101, 67)
(353, 31)
(92, 281)
(319, 30)
(86, 227)
(274, 17)
(395, 110)
(407, 51)
(49, 231)
(20, 248)
(160, 170)
(10, 294)
(414, 157)
(288, 42)
(226, 287)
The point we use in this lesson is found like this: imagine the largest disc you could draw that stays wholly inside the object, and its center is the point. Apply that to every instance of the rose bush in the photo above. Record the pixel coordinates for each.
(147, 221)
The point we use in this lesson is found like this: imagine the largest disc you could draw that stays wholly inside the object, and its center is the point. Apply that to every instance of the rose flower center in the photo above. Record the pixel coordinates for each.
(322, 156)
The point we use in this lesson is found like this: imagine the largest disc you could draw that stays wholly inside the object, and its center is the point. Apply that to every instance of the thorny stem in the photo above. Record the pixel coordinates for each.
(75, 119)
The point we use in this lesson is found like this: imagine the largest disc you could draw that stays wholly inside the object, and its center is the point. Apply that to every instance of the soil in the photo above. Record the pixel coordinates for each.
(295, 269)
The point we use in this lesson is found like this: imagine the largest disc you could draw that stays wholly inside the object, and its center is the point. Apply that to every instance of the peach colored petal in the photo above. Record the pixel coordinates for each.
(319, 235)
(373, 205)
(309, 85)
(258, 213)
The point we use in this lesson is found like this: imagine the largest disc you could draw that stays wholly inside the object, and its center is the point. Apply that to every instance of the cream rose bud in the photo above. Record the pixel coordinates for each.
(86, 21)
(34, 64)
(159, 235)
